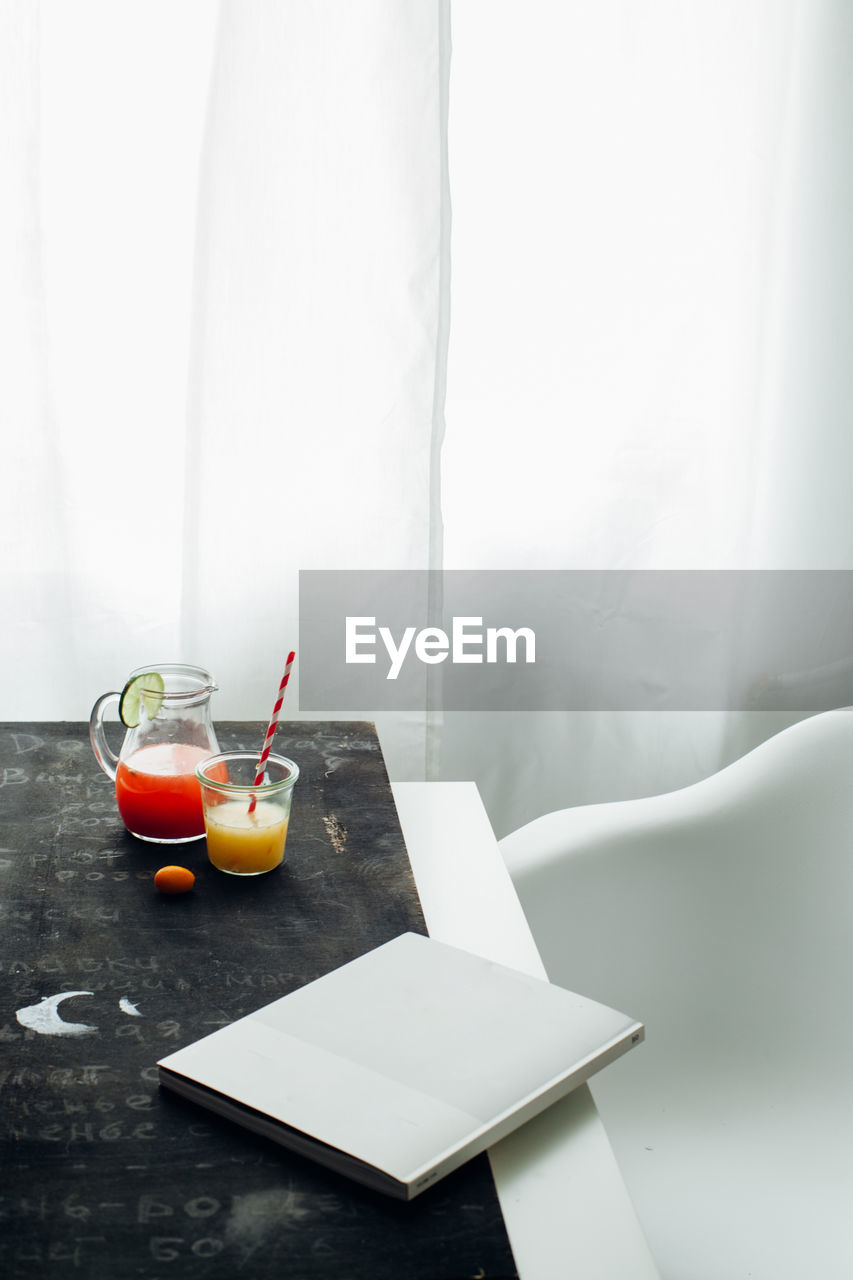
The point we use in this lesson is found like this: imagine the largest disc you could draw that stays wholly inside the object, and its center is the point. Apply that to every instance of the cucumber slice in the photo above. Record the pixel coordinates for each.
(142, 691)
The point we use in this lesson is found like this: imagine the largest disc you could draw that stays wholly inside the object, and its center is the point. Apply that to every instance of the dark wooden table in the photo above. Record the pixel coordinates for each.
(106, 1175)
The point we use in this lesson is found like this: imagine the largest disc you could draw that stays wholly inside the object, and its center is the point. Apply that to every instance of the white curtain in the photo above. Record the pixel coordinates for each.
(651, 335)
(241, 334)
(228, 229)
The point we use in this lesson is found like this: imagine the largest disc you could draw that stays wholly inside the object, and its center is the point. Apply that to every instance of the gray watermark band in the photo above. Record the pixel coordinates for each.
(575, 640)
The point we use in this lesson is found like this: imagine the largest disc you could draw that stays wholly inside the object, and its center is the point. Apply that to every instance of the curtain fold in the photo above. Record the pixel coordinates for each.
(102, 109)
(316, 386)
(33, 564)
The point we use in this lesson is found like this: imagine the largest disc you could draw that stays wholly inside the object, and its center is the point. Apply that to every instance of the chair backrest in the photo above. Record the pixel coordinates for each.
(721, 915)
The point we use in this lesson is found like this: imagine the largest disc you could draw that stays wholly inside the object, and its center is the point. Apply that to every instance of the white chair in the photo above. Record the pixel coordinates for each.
(721, 915)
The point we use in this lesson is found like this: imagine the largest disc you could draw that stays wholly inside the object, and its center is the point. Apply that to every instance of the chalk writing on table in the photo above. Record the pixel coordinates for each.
(172, 1227)
(12, 777)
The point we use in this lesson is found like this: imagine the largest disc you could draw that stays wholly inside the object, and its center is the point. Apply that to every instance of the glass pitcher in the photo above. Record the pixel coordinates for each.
(157, 791)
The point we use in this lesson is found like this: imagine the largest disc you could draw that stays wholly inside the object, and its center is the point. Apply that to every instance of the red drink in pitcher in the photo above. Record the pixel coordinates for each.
(158, 793)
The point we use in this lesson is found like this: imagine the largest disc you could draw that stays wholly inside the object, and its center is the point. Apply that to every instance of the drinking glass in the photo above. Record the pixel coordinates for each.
(246, 825)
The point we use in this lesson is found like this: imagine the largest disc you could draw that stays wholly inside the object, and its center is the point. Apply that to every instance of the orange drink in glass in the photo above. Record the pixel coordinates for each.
(246, 826)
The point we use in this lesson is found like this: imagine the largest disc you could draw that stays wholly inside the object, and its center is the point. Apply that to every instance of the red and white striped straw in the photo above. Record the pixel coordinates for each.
(271, 728)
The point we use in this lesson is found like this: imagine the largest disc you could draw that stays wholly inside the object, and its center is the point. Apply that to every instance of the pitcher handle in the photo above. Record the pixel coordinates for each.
(104, 753)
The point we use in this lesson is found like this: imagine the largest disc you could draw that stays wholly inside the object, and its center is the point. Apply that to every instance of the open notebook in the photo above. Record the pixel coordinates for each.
(402, 1064)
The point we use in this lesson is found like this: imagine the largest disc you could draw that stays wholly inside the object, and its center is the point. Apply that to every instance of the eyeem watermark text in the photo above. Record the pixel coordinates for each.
(468, 641)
